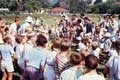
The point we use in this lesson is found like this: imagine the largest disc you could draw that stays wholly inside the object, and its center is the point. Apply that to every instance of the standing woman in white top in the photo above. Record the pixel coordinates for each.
(21, 40)
(49, 73)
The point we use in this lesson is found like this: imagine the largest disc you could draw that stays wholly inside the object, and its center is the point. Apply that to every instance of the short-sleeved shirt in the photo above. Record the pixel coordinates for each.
(72, 73)
(36, 58)
(7, 52)
(89, 27)
(95, 52)
(27, 50)
(23, 27)
(13, 27)
(91, 77)
(113, 64)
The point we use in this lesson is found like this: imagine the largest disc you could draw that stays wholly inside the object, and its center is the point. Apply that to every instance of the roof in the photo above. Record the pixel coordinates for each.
(118, 3)
(58, 9)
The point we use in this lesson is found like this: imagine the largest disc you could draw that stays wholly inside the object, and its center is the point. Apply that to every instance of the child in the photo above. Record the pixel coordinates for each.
(21, 40)
(75, 71)
(91, 64)
(7, 54)
(49, 72)
(61, 59)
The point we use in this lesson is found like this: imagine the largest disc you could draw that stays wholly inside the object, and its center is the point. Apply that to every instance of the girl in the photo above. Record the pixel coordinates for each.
(49, 73)
(21, 40)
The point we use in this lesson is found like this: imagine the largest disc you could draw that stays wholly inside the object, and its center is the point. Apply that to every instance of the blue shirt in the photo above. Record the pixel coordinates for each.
(7, 52)
(37, 57)
(89, 27)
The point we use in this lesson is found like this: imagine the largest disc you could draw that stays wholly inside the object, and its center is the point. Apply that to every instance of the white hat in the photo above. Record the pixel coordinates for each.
(29, 19)
(107, 34)
(78, 38)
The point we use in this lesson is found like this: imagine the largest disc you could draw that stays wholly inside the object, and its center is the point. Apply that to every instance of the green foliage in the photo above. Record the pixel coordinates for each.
(31, 5)
(108, 7)
(47, 5)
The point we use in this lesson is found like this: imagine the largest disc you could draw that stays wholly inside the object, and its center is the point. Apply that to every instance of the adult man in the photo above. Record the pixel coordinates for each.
(15, 26)
(89, 26)
(28, 23)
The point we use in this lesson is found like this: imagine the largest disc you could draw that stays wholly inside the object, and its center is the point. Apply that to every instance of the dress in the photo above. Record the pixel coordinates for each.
(49, 73)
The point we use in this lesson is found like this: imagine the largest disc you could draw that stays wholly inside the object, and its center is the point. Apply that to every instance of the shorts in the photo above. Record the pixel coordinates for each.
(7, 66)
(31, 73)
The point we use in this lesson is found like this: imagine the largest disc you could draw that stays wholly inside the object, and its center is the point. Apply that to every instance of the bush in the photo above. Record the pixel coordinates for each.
(103, 8)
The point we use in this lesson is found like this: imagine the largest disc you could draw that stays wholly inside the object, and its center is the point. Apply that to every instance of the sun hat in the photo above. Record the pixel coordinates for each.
(29, 19)
(107, 35)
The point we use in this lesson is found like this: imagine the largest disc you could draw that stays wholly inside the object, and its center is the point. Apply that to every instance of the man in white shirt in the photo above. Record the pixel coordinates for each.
(28, 23)
(91, 64)
(15, 26)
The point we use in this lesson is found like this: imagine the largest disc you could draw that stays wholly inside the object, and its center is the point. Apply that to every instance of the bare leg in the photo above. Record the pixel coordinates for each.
(4, 77)
(10, 75)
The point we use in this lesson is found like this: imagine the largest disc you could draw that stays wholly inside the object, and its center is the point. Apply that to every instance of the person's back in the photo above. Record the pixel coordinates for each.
(61, 59)
(113, 64)
(91, 77)
(6, 52)
(91, 64)
(36, 57)
(75, 71)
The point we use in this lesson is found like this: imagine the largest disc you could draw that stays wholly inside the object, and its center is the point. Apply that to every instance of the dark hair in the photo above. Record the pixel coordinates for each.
(19, 39)
(82, 14)
(65, 45)
(91, 62)
(41, 40)
(75, 59)
(6, 39)
(119, 17)
(56, 43)
(118, 44)
(17, 19)
(79, 21)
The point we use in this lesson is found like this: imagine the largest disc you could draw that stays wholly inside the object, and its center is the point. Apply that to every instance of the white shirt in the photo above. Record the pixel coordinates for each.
(95, 52)
(114, 66)
(113, 52)
(13, 27)
(91, 77)
(23, 27)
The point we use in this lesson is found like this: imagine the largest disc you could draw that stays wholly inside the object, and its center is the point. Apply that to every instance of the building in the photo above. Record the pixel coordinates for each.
(58, 10)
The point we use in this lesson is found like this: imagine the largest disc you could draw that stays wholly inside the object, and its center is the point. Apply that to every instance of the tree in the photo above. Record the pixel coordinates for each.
(31, 5)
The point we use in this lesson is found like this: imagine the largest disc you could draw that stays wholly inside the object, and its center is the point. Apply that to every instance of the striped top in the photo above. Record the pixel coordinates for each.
(60, 63)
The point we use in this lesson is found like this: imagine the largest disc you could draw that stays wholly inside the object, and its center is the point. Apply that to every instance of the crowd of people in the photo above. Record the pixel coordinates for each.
(70, 49)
